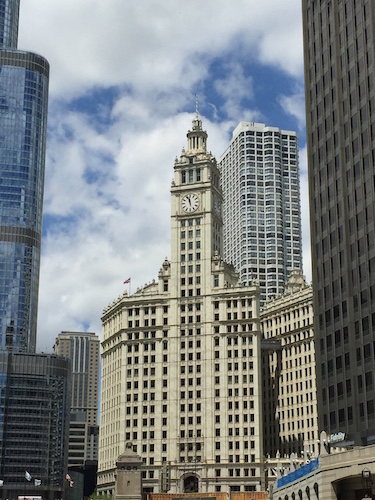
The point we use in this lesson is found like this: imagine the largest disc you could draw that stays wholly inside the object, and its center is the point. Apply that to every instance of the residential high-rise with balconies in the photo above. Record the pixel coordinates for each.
(339, 51)
(261, 206)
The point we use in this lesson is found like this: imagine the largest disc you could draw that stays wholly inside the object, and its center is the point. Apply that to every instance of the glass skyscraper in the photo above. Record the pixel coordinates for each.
(34, 388)
(261, 210)
(23, 123)
(339, 50)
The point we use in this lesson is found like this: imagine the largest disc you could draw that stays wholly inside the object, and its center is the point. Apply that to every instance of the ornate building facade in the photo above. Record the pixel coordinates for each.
(181, 357)
(289, 378)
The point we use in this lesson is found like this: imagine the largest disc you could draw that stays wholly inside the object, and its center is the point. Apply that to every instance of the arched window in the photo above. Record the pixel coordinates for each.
(308, 492)
(191, 484)
(316, 489)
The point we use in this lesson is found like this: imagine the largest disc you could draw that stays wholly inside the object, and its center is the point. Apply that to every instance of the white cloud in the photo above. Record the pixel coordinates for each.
(295, 106)
(305, 214)
(110, 159)
(103, 233)
(156, 44)
(235, 87)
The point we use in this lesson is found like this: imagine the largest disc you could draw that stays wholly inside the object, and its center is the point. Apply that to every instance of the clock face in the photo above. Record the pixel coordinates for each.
(190, 202)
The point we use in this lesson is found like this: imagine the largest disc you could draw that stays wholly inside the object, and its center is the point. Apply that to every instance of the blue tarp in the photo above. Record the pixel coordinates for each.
(298, 473)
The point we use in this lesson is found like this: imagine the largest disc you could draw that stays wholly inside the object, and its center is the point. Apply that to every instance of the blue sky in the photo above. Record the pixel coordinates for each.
(124, 75)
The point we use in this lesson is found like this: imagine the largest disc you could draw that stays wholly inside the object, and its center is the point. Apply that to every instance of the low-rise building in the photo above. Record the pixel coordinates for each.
(345, 474)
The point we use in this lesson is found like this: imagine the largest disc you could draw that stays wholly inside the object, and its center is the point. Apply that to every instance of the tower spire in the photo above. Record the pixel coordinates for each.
(197, 137)
(9, 13)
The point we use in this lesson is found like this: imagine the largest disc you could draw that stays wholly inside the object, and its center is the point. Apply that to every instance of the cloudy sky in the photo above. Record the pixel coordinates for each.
(124, 75)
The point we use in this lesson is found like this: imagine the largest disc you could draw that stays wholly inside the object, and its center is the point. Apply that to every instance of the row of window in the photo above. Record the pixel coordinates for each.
(235, 303)
(190, 332)
(145, 335)
(189, 176)
(146, 323)
(190, 344)
(190, 222)
(237, 366)
(190, 257)
(145, 310)
(236, 459)
(235, 353)
(191, 268)
(190, 233)
(190, 245)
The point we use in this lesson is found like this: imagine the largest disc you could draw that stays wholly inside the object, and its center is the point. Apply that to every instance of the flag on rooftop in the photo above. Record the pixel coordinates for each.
(71, 482)
(127, 281)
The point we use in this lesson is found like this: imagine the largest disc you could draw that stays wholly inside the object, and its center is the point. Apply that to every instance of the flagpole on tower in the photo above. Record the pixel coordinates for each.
(128, 282)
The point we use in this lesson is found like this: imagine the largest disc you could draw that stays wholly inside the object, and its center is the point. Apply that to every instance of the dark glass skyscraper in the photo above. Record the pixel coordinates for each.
(34, 408)
(23, 124)
(339, 50)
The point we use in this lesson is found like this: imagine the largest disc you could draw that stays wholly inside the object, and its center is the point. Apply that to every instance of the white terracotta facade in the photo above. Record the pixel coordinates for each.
(181, 372)
(290, 401)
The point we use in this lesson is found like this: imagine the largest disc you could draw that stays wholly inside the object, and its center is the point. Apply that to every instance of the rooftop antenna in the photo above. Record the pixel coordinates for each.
(196, 107)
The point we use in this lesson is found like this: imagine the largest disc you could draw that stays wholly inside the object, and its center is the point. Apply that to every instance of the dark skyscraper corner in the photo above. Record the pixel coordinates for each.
(339, 49)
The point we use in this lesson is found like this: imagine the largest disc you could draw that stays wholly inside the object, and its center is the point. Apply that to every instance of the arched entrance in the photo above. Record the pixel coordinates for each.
(191, 484)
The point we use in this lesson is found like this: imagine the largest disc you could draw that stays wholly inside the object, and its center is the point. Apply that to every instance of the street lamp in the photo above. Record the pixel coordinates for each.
(367, 482)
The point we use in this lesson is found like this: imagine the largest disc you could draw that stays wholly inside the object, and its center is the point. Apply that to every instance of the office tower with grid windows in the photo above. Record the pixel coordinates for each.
(181, 374)
(83, 351)
(23, 123)
(339, 48)
(261, 210)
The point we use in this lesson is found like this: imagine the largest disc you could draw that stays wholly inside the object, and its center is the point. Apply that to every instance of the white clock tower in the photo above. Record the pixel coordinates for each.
(196, 231)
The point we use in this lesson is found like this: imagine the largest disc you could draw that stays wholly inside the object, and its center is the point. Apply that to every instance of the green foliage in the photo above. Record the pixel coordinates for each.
(98, 496)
